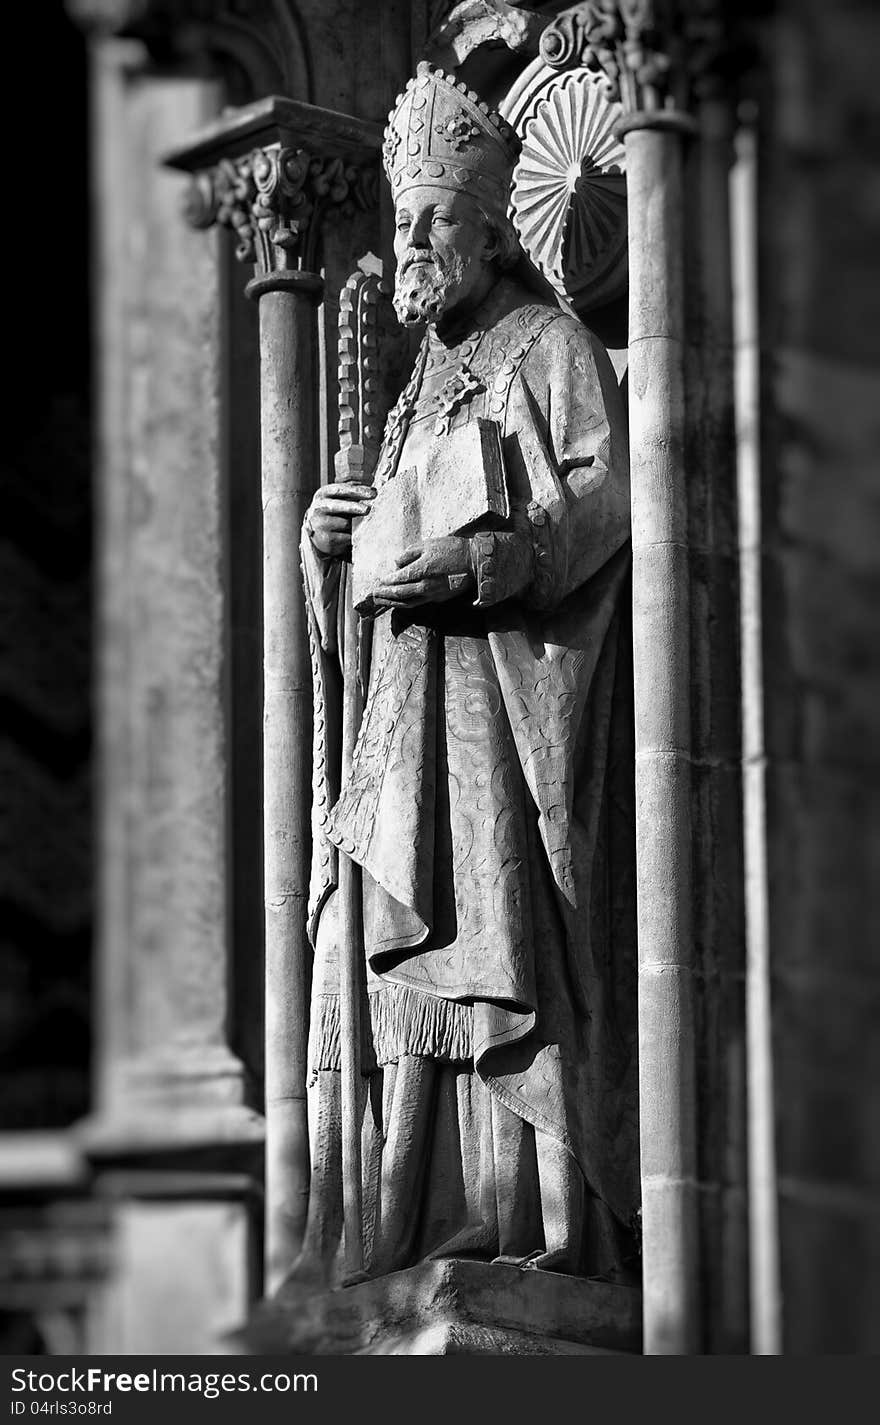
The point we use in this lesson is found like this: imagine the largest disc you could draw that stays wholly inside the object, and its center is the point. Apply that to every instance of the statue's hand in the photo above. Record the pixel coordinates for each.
(428, 573)
(329, 516)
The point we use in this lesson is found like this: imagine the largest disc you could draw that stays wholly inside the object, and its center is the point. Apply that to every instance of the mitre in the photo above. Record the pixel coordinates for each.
(441, 133)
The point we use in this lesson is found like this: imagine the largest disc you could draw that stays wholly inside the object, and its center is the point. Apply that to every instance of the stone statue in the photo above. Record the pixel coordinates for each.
(498, 1047)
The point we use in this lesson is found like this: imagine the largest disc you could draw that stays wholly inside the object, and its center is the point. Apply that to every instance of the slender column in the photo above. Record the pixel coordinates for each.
(766, 1305)
(258, 173)
(288, 343)
(661, 659)
(639, 50)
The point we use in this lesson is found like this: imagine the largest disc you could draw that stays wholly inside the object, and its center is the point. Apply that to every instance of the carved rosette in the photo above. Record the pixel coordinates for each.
(276, 200)
(604, 66)
(568, 200)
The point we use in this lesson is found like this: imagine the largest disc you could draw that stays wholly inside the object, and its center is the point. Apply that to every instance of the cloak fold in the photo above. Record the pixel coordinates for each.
(478, 800)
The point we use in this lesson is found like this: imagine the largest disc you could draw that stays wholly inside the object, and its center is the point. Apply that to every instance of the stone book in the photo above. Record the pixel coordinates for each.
(460, 488)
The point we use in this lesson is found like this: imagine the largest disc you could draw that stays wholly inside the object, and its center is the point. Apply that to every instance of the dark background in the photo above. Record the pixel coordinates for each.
(46, 546)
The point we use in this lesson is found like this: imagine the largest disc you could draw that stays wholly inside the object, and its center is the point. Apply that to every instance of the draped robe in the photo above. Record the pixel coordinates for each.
(499, 968)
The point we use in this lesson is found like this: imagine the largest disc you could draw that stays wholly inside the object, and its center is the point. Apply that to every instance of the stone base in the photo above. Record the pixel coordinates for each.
(450, 1308)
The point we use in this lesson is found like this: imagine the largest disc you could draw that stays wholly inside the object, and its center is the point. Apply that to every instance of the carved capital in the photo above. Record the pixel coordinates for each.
(650, 56)
(274, 174)
(275, 199)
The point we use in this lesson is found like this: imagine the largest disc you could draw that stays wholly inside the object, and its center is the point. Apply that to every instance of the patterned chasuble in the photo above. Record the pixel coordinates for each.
(475, 795)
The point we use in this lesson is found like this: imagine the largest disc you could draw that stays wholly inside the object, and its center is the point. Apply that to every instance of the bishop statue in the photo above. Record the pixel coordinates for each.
(488, 560)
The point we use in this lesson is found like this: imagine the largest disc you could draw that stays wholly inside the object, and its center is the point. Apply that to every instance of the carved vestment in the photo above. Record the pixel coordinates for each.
(478, 799)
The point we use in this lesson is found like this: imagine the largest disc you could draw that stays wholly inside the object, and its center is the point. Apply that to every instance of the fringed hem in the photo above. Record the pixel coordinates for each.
(402, 1021)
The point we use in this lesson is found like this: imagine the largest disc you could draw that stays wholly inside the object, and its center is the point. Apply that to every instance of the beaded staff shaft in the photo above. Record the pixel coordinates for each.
(367, 358)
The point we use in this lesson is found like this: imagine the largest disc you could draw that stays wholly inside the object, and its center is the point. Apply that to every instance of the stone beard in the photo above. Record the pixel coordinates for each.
(425, 286)
(488, 802)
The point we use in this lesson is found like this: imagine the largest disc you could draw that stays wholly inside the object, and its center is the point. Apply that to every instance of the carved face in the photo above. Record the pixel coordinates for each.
(444, 249)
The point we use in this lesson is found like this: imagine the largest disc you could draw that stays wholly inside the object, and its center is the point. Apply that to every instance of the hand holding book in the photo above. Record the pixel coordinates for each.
(430, 572)
(415, 546)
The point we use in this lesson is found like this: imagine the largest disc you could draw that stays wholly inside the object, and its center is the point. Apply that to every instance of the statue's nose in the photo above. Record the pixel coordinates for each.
(420, 232)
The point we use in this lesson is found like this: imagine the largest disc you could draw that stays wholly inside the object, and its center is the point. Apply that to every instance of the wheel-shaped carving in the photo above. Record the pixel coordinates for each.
(568, 200)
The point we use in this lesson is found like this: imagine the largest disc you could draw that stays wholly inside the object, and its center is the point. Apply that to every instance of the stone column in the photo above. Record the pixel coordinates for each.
(175, 1091)
(637, 52)
(766, 1293)
(661, 663)
(288, 305)
(166, 1071)
(272, 172)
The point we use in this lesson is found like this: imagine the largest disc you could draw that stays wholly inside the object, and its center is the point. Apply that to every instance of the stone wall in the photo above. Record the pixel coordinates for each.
(819, 222)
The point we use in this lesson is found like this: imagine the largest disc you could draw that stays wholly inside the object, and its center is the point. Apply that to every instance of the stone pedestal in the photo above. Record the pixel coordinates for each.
(450, 1308)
